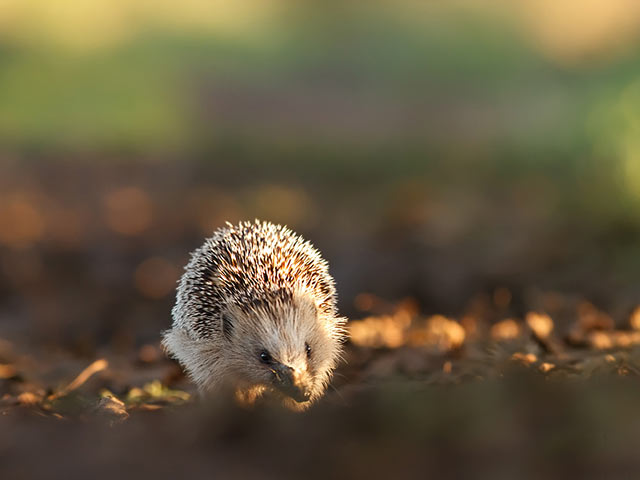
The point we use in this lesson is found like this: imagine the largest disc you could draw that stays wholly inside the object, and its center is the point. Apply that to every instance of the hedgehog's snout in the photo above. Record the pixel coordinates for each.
(290, 382)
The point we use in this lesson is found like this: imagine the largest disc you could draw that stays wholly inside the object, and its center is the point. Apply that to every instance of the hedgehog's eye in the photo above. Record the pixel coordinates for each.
(307, 347)
(265, 357)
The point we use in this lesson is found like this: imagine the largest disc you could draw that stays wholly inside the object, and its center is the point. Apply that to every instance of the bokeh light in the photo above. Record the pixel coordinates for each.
(128, 211)
(470, 171)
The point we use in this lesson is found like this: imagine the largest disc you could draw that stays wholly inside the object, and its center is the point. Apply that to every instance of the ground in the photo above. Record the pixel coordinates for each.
(416, 396)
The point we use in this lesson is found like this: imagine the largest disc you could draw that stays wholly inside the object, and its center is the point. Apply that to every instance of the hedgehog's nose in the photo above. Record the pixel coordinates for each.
(285, 380)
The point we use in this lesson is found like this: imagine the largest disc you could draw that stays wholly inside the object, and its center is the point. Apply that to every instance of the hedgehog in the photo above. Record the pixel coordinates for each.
(256, 315)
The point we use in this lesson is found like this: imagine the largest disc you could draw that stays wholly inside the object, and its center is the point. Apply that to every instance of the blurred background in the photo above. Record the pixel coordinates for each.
(431, 150)
(471, 170)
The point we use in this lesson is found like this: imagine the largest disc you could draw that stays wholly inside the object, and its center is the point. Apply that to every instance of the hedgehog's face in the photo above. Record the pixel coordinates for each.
(286, 348)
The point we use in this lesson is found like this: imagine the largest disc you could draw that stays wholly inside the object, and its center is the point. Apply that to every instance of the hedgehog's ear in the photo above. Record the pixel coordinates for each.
(227, 325)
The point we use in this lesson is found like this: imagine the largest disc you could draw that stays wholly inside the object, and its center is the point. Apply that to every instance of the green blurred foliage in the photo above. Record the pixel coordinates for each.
(463, 80)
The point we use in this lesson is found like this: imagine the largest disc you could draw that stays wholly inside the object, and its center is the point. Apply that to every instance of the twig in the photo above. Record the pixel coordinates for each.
(95, 367)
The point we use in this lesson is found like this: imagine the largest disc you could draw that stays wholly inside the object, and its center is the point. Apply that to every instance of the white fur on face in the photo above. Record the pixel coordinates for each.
(282, 329)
